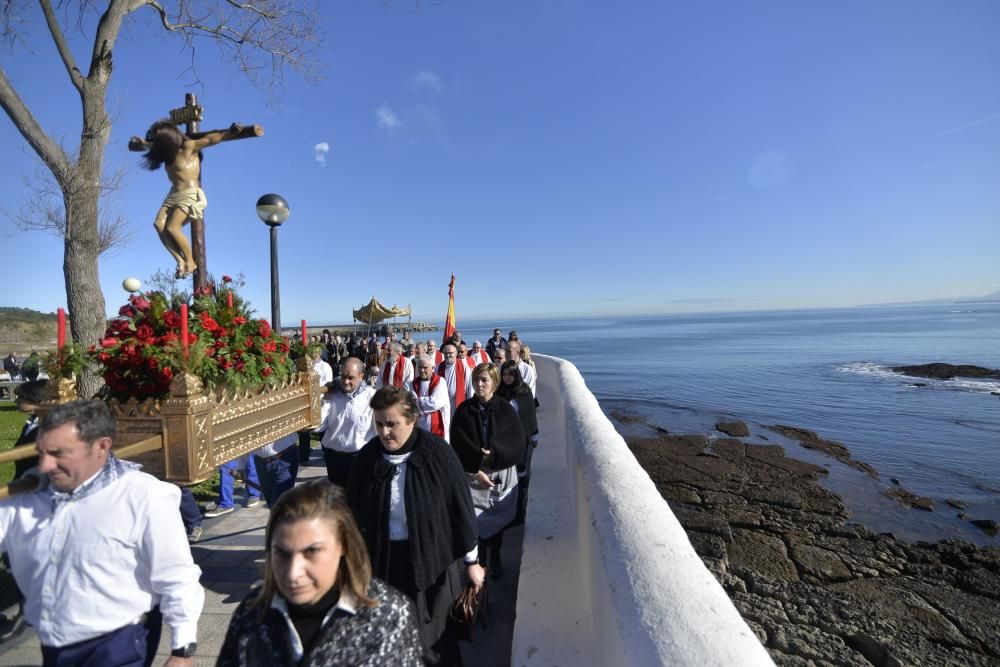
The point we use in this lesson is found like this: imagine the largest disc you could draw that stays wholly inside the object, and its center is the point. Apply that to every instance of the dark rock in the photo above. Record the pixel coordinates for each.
(894, 480)
(905, 497)
(811, 440)
(762, 553)
(626, 417)
(816, 590)
(939, 371)
(988, 526)
(917, 384)
(963, 515)
(733, 429)
(661, 430)
(957, 504)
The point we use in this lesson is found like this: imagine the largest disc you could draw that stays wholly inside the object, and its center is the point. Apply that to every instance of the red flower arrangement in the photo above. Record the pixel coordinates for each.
(141, 350)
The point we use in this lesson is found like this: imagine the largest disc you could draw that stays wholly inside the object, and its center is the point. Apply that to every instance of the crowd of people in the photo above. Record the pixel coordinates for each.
(427, 454)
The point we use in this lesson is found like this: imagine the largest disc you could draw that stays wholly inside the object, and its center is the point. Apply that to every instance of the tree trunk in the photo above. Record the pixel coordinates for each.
(83, 286)
(81, 194)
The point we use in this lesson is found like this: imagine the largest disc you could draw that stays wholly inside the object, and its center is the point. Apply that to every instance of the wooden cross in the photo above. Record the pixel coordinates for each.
(191, 115)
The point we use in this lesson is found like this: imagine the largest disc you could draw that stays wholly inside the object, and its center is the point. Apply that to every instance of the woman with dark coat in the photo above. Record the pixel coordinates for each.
(319, 605)
(411, 500)
(489, 440)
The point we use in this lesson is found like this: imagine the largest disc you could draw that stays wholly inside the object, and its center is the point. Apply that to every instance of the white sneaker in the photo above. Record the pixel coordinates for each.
(217, 511)
(253, 501)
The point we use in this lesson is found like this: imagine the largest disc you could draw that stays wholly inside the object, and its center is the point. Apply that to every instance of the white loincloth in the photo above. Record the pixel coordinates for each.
(191, 201)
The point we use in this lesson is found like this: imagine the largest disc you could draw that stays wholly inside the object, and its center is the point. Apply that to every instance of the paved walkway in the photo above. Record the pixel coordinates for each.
(231, 557)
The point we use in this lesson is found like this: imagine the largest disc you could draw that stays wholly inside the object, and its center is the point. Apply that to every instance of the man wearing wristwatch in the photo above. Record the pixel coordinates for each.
(99, 549)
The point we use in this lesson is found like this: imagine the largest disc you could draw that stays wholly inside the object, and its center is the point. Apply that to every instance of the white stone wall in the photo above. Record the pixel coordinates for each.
(608, 576)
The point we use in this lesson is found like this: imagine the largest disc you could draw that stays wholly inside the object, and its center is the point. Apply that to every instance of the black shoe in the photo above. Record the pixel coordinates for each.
(12, 627)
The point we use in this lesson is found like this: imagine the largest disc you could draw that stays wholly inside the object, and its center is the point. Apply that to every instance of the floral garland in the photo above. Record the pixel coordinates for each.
(141, 350)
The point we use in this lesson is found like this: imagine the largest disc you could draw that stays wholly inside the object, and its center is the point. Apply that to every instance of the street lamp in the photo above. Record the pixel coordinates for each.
(273, 210)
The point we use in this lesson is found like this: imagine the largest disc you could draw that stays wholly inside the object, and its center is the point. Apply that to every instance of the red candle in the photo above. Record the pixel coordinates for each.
(303, 332)
(229, 299)
(184, 328)
(61, 328)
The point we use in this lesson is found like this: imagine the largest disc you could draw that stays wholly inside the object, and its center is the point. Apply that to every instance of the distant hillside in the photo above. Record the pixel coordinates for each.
(23, 329)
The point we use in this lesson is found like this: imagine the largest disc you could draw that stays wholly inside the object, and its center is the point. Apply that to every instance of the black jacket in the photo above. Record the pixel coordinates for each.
(504, 437)
(525, 407)
(440, 519)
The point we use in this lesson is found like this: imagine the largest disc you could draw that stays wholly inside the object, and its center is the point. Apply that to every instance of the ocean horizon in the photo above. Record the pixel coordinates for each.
(827, 370)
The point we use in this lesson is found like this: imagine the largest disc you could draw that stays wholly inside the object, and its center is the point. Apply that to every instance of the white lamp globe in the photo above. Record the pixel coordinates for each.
(131, 285)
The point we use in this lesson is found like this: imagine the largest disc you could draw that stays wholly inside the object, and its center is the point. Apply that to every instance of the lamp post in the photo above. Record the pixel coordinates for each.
(273, 210)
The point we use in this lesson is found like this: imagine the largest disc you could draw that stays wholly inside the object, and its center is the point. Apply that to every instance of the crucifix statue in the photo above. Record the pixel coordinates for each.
(180, 154)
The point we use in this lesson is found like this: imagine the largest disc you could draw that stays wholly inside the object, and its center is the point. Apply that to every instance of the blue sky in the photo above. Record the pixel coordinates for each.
(570, 157)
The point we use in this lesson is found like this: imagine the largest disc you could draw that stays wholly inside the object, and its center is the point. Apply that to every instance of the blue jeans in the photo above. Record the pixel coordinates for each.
(190, 512)
(226, 479)
(278, 475)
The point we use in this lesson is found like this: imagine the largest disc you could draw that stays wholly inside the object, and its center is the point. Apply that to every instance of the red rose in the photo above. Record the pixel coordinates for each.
(140, 303)
(192, 338)
(239, 319)
(172, 319)
(109, 342)
(266, 372)
(208, 322)
(168, 337)
(264, 329)
(227, 279)
(144, 332)
(240, 366)
(126, 311)
(249, 341)
(168, 374)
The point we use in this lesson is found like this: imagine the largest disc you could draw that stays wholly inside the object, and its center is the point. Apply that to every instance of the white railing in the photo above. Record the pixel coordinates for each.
(608, 576)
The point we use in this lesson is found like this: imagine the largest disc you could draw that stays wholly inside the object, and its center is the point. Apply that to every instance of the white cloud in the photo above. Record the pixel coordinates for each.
(426, 80)
(387, 119)
(321, 149)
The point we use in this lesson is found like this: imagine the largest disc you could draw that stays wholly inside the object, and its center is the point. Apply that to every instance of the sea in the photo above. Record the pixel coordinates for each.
(823, 370)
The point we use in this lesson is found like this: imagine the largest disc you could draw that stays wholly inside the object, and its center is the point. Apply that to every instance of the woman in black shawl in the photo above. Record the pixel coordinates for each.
(411, 501)
(487, 436)
(516, 390)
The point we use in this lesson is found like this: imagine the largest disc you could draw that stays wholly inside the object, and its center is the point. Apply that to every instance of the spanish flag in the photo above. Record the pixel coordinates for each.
(449, 321)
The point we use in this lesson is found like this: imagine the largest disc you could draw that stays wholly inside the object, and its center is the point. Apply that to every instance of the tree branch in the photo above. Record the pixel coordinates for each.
(51, 154)
(57, 36)
(256, 33)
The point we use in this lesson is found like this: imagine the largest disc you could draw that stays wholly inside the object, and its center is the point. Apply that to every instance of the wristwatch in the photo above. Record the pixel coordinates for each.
(185, 651)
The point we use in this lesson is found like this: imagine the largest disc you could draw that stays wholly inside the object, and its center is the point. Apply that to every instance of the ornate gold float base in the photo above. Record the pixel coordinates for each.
(186, 436)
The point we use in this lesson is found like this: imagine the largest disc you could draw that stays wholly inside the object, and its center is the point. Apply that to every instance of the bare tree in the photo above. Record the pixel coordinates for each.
(263, 39)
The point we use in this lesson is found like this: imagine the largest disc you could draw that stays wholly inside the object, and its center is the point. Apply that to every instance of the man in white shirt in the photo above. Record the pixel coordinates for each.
(349, 424)
(432, 397)
(397, 371)
(527, 372)
(99, 549)
(457, 375)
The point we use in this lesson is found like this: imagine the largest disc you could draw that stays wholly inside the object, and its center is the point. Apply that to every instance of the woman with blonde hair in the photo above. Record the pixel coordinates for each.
(319, 605)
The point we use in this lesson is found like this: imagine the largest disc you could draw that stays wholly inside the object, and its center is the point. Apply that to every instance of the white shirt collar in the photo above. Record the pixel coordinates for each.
(346, 603)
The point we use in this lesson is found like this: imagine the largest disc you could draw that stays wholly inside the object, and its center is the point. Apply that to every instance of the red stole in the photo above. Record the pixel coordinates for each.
(470, 362)
(438, 356)
(437, 424)
(459, 381)
(397, 376)
(483, 358)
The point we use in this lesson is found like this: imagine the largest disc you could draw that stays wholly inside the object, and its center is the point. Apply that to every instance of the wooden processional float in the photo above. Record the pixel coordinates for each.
(184, 437)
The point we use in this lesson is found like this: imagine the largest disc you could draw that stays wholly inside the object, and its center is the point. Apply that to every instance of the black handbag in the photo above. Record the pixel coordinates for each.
(467, 608)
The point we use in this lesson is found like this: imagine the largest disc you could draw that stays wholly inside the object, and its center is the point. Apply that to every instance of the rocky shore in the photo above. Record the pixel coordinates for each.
(815, 589)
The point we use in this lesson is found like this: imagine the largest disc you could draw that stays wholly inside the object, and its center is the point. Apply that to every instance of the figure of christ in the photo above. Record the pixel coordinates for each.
(180, 156)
